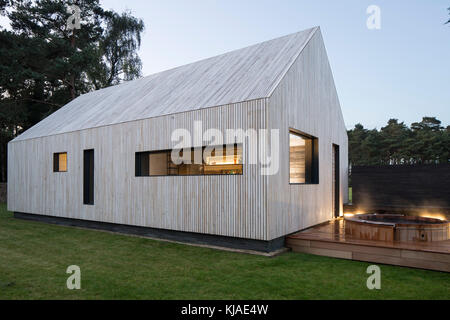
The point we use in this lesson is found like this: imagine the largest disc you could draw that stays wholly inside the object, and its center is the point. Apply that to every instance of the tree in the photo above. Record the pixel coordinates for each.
(118, 48)
(428, 140)
(101, 53)
(3, 4)
(355, 143)
(427, 123)
(392, 142)
(424, 142)
(44, 65)
(372, 146)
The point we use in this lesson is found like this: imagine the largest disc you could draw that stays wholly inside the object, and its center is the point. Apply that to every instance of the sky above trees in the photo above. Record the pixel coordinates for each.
(399, 71)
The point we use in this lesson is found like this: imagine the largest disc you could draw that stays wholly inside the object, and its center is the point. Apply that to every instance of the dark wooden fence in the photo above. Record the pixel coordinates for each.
(401, 186)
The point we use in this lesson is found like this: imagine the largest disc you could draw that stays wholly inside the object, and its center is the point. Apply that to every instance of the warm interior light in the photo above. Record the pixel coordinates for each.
(296, 141)
(62, 162)
(223, 160)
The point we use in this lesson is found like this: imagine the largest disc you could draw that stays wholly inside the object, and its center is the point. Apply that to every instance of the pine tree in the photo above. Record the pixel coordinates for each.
(44, 64)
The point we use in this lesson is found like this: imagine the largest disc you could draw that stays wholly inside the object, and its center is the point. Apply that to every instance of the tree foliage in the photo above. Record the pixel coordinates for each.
(118, 48)
(424, 142)
(44, 64)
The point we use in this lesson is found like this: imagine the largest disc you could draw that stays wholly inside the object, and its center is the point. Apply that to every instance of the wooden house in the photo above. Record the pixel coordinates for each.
(103, 160)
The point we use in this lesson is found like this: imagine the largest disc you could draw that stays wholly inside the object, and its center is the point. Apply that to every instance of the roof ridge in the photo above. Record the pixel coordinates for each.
(244, 74)
(311, 30)
(283, 74)
(232, 51)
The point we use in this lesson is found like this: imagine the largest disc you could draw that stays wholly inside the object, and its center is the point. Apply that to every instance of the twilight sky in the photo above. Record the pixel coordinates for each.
(400, 71)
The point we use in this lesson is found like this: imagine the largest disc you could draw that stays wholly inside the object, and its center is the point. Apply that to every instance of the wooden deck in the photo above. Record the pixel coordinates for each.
(329, 239)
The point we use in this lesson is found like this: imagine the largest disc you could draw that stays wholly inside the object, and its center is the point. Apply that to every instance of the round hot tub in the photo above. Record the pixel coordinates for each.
(390, 227)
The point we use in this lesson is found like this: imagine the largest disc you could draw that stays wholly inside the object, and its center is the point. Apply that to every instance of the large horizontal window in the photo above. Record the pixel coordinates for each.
(222, 160)
(303, 159)
(60, 162)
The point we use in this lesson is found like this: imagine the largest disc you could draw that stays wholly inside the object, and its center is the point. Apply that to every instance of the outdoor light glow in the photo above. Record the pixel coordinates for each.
(433, 216)
(348, 214)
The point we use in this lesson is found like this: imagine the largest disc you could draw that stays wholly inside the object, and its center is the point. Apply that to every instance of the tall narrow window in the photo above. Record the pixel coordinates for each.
(88, 177)
(336, 181)
(60, 162)
(303, 159)
(221, 160)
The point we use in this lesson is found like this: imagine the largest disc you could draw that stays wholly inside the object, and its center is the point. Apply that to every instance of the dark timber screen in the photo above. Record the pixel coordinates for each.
(401, 186)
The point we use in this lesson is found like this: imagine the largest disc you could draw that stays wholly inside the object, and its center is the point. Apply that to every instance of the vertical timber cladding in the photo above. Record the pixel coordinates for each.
(285, 83)
(306, 100)
(401, 186)
(232, 205)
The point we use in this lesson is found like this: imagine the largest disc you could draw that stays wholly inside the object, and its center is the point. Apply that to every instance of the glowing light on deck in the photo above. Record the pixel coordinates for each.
(348, 215)
(351, 214)
(433, 216)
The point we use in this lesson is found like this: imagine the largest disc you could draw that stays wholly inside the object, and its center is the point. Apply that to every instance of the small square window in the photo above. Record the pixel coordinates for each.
(60, 162)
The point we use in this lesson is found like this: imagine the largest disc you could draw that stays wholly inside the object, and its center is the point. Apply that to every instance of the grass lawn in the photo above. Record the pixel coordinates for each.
(34, 257)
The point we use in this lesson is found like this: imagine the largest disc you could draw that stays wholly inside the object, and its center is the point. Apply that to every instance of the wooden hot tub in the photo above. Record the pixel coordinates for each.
(390, 227)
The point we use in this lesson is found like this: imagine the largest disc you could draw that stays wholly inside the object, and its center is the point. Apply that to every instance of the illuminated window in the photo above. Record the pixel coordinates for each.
(226, 160)
(303, 159)
(60, 162)
(222, 160)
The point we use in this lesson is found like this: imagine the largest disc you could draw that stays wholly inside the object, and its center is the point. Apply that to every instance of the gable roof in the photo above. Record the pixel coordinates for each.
(245, 74)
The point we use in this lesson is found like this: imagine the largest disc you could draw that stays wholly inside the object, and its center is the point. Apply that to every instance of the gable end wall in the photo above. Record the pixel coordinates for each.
(306, 100)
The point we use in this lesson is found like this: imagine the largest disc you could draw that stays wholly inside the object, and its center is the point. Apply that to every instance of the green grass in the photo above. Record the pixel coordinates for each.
(34, 257)
(350, 194)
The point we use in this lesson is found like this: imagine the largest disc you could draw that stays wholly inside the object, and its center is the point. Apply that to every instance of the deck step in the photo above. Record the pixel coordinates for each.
(393, 256)
(370, 253)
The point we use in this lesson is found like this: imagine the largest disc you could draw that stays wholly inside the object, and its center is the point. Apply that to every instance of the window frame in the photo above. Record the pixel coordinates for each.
(56, 168)
(314, 161)
(89, 177)
(186, 175)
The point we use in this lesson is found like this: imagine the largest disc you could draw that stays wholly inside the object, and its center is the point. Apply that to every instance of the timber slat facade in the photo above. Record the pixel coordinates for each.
(281, 84)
